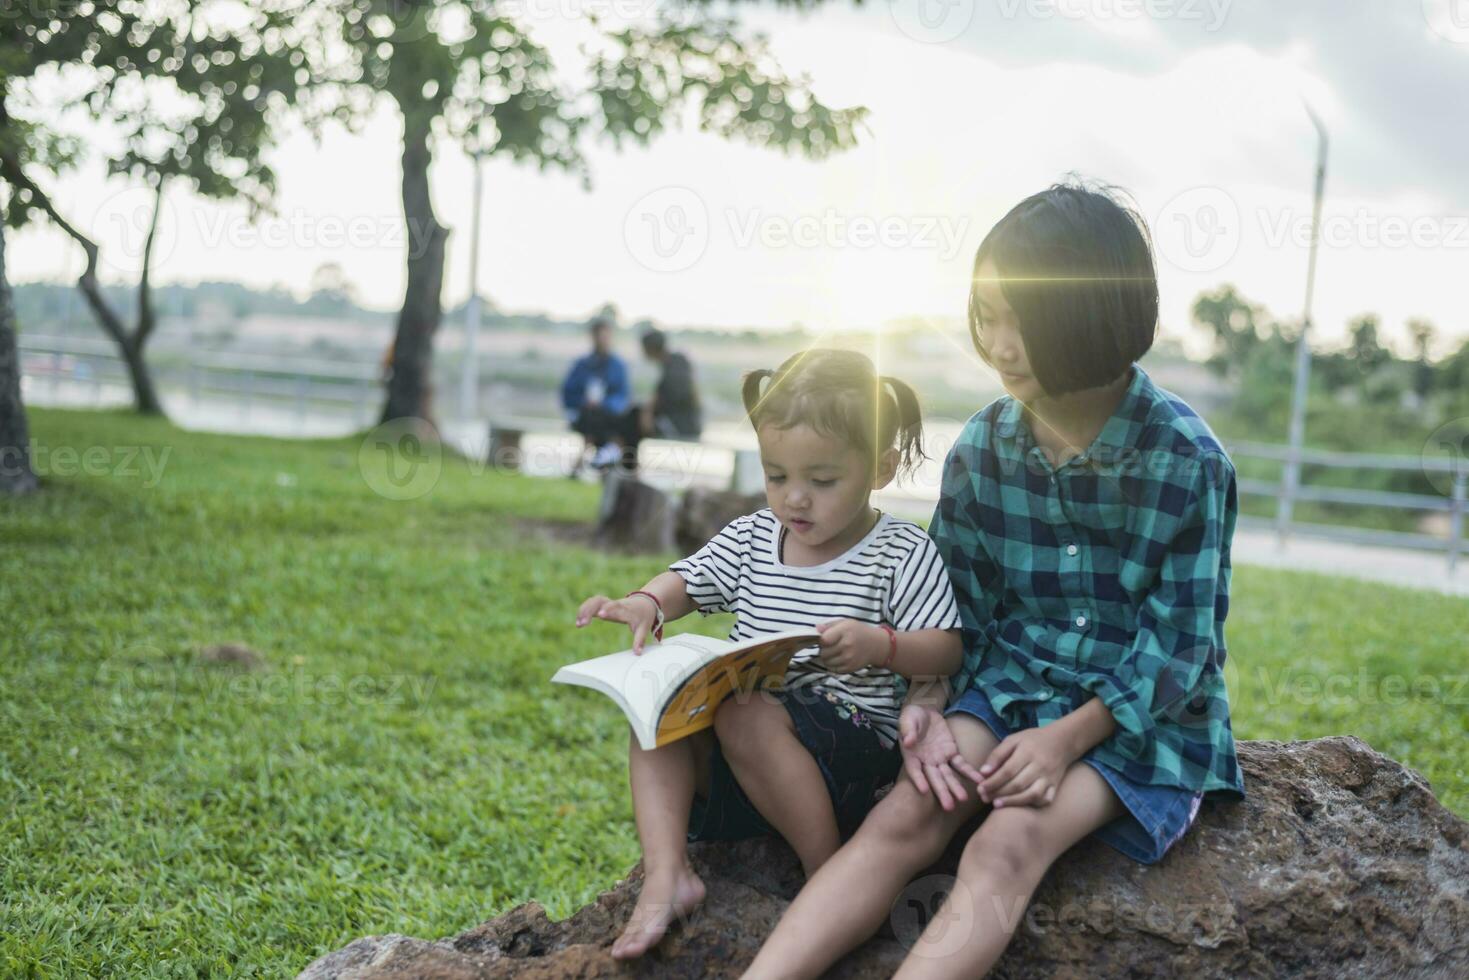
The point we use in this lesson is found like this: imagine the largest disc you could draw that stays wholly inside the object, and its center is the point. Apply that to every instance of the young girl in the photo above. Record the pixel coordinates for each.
(1085, 518)
(806, 761)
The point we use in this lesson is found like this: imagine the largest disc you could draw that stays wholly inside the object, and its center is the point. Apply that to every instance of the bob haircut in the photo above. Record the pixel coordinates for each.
(1076, 266)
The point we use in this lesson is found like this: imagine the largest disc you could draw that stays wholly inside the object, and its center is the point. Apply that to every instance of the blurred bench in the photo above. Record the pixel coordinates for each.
(630, 513)
(506, 434)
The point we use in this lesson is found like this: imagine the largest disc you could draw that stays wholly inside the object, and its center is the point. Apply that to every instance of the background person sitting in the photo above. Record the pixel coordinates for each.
(673, 412)
(594, 397)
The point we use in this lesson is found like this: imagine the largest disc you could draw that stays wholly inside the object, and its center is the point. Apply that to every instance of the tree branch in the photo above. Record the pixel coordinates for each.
(15, 174)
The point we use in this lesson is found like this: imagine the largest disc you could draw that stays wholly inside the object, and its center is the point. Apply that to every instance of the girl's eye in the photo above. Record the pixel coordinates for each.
(774, 479)
(823, 483)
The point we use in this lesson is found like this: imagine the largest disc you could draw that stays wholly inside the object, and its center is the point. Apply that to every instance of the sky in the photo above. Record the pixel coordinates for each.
(1196, 108)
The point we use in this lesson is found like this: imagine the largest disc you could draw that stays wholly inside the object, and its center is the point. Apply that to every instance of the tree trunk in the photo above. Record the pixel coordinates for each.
(129, 344)
(409, 387)
(16, 475)
(144, 394)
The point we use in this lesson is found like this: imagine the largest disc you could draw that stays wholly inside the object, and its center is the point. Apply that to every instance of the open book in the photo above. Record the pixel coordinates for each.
(673, 688)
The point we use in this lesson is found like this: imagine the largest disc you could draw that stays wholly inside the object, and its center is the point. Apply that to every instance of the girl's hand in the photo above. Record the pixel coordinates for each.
(1025, 769)
(848, 645)
(637, 611)
(931, 756)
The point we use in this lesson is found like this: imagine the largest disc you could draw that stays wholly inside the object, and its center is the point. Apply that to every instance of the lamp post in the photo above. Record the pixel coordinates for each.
(1303, 349)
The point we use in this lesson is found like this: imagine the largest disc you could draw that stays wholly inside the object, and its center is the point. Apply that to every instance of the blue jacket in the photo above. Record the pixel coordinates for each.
(613, 373)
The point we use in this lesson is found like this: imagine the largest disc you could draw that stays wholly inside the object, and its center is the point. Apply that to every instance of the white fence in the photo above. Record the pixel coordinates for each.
(298, 396)
(1453, 471)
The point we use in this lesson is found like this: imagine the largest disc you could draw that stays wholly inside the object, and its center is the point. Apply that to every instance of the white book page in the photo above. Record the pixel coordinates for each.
(637, 682)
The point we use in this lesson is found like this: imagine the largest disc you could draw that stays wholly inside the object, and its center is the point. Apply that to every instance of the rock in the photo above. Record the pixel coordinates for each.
(1339, 864)
(704, 513)
(232, 655)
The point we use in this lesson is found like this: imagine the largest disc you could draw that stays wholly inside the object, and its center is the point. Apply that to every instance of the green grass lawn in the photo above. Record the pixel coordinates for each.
(403, 765)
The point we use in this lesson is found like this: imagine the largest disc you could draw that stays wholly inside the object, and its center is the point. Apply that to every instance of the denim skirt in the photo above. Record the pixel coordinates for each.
(1156, 817)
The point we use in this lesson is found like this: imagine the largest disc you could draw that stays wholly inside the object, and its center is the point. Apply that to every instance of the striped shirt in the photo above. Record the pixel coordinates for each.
(893, 575)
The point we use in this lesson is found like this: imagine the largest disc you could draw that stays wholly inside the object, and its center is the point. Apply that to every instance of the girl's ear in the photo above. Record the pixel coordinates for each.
(887, 468)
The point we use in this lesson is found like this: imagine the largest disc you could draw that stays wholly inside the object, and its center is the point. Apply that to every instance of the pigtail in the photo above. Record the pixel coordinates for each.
(839, 394)
(750, 392)
(909, 424)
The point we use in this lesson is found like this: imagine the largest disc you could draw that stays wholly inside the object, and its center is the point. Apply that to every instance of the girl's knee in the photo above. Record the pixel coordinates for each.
(1009, 846)
(973, 737)
(907, 818)
(749, 726)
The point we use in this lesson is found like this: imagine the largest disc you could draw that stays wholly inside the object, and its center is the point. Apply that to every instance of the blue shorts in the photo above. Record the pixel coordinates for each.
(854, 763)
(1157, 816)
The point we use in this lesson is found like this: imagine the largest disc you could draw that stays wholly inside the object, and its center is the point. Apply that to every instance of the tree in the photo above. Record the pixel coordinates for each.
(1451, 378)
(196, 92)
(16, 475)
(458, 71)
(1236, 325)
(332, 293)
(1422, 333)
(1366, 351)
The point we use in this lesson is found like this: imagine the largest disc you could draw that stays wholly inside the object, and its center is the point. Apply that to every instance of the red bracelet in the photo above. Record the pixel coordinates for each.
(658, 623)
(892, 645)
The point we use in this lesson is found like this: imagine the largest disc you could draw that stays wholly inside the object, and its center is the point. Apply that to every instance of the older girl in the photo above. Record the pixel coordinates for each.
(1085, 518)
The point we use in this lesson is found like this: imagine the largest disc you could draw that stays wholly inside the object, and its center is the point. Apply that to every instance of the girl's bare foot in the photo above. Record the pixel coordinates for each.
(665, 899)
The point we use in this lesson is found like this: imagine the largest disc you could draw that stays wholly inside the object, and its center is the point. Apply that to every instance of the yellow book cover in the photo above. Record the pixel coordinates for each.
(673, 688)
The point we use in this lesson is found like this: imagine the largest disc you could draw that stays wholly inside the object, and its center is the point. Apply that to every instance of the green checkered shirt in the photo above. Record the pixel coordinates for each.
(1106, 577)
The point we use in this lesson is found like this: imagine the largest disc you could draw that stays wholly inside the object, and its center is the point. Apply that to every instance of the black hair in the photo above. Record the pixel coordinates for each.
(1075, 263)
(654, 342)
(839, 393)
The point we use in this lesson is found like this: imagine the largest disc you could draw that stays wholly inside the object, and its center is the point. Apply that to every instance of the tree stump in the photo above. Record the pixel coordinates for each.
(633, 516)
(703, 513)
(505, 452)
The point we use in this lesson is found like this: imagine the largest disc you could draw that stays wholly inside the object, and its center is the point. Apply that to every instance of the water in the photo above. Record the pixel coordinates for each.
(545, 452)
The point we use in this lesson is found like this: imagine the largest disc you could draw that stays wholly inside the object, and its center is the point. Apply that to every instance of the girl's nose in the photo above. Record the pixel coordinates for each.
(1004, 347)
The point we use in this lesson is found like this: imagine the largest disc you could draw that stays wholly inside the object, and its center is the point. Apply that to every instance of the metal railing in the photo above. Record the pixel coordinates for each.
(297, 391)
(296, 395)
(1291, 489)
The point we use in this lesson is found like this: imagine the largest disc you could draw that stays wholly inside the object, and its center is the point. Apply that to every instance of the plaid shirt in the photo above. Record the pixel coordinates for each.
(1106, 577)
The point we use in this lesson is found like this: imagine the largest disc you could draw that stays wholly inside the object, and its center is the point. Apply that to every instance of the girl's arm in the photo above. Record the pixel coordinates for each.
(848, 645)
(927, 656)
(672, 592)
(1085, 728)
(638, 611)
(1175, 640)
